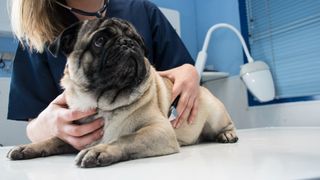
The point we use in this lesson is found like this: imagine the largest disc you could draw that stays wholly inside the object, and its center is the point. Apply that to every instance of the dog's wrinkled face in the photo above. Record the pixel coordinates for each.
(103, 54)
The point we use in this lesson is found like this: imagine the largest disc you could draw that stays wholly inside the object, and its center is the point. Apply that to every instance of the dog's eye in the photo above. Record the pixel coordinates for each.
(99, 42)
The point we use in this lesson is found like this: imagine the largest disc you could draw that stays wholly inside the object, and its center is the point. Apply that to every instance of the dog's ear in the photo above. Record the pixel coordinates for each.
(145, 49)
(65, 41)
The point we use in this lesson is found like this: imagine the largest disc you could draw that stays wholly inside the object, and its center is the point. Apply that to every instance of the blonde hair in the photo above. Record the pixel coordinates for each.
(35, 22)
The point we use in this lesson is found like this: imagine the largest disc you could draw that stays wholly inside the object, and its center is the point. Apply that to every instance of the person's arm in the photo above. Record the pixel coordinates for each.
(186, 85)
(34, 94)
(56, 121)
(170, 53)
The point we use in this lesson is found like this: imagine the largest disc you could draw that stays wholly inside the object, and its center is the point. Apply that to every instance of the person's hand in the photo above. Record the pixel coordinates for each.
(57, 120)
(186, 84)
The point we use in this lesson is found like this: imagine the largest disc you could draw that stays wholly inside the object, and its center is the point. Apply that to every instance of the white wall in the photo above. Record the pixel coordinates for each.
(11, 132)
(231, 91)
(173, 17)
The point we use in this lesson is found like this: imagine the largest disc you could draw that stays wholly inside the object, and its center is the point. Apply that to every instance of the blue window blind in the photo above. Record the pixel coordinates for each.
(286, 35)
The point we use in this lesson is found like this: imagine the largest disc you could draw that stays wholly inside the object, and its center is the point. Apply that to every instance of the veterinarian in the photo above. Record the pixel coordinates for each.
(35, 93)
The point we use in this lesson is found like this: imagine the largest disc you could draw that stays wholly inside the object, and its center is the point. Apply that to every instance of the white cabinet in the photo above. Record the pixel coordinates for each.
(173, 17)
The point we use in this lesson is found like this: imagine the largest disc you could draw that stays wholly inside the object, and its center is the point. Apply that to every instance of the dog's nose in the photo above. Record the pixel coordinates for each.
(126, 42)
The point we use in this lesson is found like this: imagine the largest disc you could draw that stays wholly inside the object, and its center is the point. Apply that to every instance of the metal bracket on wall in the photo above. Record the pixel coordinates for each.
(6, 59)
(7, 55)
(2, 63)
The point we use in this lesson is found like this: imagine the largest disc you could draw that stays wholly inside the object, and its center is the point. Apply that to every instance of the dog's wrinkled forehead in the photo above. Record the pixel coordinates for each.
(80, 34)
(91, 26)
(115, 27)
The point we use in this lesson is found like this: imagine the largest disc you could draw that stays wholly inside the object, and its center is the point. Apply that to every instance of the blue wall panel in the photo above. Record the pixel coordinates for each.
(186, 9)
(8, 44)
(225, 51)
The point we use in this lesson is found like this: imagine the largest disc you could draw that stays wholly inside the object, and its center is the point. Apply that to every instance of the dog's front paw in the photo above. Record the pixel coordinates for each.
(227, 137)
(99, 155)
(22, 152)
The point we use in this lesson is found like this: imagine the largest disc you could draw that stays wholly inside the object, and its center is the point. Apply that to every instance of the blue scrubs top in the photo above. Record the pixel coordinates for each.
(36, 76)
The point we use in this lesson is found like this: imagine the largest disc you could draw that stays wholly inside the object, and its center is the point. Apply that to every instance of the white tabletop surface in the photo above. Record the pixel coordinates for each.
(268, 153)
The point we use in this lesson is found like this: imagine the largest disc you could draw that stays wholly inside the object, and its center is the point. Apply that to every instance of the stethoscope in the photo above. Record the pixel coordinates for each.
(98, 14)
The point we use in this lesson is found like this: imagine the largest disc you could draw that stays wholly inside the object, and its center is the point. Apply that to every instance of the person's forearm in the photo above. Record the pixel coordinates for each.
(36, 131)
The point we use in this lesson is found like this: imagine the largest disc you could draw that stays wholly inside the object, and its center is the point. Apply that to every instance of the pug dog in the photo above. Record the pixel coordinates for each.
(107, 70)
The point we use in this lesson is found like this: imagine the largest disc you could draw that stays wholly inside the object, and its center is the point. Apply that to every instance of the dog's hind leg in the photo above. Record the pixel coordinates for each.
(45, 148)
(219, 126)
(153, 140)
(224, 135)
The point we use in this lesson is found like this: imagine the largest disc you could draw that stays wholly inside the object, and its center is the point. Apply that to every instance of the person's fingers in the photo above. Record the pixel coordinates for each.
(163, 73)
(182, 103)
(84, 129)
(60, 100)
(176, 91)
(182, 108)
(71, 115)
(185, 113)
(194, 111)
(168, 74)
(68, 114)
(81, 142)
